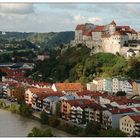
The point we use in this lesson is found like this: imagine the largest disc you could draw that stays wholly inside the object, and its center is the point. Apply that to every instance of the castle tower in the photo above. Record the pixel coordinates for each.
(112, 27)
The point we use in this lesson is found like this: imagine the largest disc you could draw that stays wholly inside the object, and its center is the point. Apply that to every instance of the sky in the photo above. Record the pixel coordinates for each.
(55, 17)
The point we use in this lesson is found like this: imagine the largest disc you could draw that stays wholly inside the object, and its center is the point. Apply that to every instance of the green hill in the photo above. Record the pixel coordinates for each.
(75, 64)
(44, 40)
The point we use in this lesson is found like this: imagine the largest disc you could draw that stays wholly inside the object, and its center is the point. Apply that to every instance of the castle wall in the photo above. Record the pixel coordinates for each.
(78, 35)
(112, 29)
(113, 42)
(132, 36)
(87, 38)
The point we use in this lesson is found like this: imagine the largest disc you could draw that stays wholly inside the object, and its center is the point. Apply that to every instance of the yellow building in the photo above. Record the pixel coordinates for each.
(130, 125)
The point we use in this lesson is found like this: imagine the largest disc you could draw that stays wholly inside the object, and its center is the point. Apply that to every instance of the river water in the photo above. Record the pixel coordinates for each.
(14, 125)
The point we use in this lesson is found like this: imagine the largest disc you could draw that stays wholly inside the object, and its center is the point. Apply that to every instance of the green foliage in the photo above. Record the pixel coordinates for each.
(70, 128)
(58, 67)
(92, 128)
(25, 110)
(74, 64)
(53, 121)
(120, 93)
(2, 104)
(37, 132)
(19, 94)
(58, 109)
(133, 70)
(14, 108)
(44, 117)
(52, 39)
(112, 133)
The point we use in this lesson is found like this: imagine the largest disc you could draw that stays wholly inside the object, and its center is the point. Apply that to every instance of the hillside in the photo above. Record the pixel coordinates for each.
(44, 40)
(76, 64)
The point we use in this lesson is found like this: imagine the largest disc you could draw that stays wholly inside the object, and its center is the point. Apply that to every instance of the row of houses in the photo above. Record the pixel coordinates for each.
(114, 85)
(78, 105)
(82, 106)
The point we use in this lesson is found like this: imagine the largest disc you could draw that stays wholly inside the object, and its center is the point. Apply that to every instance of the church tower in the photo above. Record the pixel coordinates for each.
(112, 27)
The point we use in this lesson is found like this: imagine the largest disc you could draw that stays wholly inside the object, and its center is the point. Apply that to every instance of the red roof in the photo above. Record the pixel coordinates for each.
(80, 27)
(43, 95)
(137, 108)
(40, 90)
(120, 111)
(98, 29)
(80, 102)
(87, 32)
(89, 93)
(69, 87)
(120, 33)
(120, 27)
(136, 118)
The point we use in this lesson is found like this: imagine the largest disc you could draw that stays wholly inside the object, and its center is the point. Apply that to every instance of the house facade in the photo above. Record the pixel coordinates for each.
(130, 124)
(111, 117)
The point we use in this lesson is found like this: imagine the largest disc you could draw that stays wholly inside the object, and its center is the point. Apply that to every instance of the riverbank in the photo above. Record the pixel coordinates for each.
(14, 125)
(56, 132)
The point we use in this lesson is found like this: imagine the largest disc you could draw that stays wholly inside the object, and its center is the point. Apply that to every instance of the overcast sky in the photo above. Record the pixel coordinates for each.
(64, 17)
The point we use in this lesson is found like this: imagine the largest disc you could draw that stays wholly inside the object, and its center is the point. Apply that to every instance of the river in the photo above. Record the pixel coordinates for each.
(14, 125)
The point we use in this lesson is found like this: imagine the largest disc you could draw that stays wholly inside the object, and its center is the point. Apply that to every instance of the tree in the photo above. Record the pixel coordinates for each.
(92, 128)
(53, 121)
(2, 104)
(112, 133)
(25, 110)
(37, 132)
(19, 94)
(121, 93)
(58, 109)
(14, 108)
(44, 117)
(133, 70)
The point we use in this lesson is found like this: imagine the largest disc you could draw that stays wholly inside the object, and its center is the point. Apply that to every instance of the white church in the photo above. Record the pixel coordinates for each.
(108, 38)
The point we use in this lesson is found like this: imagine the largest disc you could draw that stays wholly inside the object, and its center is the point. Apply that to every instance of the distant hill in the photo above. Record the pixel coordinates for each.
(45, 40)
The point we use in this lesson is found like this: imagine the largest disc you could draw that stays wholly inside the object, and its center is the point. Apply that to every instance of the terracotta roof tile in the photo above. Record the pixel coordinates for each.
(120, 111)
(136, 118)
(69, 86)
(40, 90)
(80, 27)
(98, 29)
(87, 32)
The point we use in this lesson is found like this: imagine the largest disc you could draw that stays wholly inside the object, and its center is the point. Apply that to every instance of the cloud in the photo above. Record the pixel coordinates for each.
(64, 6)
(83, 19)
(64, 17)
(16, 8)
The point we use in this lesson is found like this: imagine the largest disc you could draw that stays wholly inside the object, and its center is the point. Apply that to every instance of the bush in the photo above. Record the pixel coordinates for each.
(37, 132)
(44, 117)
(72, 129)
(92, 129)
(14, 108)
(53, 121)
(121, 93)
(112, 133)
(2, 104)
(25, 110)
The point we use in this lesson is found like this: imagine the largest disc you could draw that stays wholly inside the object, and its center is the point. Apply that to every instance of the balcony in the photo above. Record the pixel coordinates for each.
(72, 116)
(73, 113)
(79, 116)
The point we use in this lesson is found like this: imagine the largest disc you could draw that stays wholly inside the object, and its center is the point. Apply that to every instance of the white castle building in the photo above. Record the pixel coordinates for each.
(108, 38)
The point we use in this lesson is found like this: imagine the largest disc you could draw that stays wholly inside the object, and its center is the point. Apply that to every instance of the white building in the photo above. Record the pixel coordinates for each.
(111, 117)
(107, 38)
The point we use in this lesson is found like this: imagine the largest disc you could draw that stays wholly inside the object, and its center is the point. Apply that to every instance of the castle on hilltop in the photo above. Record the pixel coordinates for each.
(108, 38)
